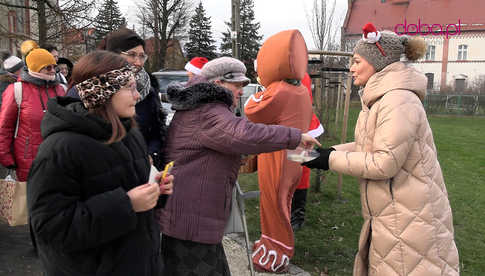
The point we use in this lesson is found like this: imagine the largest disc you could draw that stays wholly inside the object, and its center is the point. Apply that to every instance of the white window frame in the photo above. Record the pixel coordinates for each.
(462, 51)
(430, 52)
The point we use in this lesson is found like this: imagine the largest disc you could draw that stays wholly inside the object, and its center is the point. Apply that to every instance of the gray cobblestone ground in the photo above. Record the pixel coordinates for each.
(18, 259)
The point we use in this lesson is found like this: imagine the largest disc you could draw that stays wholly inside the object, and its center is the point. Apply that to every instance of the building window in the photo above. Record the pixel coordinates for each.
(430, 52)
(459, 85)
(20, 17)
(430, 77)
(462, 52)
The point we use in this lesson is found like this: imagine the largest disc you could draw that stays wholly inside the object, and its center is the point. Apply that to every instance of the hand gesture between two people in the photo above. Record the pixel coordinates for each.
(145, 197)
(321, 162)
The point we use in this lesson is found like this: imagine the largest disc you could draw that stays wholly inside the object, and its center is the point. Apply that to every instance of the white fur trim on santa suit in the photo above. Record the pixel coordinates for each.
(191, 68)
(372, 37)
(316, 132)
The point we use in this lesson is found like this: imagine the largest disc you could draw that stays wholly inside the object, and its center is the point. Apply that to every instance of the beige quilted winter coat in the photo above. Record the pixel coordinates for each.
(408, 225)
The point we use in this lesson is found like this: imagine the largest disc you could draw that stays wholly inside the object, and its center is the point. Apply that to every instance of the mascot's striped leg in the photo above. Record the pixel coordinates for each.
(278, 179)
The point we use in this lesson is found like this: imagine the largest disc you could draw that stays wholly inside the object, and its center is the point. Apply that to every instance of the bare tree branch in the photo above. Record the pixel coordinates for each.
(321, 24)
(165, 19)
(56, 20)
(16, 6)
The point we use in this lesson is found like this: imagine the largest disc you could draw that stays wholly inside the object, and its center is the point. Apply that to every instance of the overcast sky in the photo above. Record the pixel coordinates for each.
(274, 15)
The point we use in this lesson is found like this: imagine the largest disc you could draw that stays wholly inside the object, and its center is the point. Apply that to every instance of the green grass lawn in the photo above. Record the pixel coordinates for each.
(329, 239)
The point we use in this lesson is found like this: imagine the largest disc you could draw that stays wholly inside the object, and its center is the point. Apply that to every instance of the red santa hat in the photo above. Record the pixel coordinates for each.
(371, 35)
(195, 65)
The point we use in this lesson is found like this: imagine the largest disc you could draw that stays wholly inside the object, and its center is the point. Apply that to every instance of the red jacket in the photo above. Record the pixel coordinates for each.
(35, 93)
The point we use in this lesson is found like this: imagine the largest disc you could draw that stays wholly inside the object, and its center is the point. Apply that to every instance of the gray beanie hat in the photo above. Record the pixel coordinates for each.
(392, 45)
(13, 64)
(226, 69)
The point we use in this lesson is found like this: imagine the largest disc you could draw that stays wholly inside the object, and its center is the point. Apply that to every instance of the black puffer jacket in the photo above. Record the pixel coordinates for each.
(80, 213)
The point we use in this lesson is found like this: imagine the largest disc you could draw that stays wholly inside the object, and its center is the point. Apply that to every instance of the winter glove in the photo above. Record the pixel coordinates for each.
(11, 167)
(321, 162)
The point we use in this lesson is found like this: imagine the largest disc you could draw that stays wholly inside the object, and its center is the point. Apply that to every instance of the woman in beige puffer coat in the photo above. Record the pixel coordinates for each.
(408, 225)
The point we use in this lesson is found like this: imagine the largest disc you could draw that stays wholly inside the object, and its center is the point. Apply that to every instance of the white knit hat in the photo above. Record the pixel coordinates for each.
(13, 64)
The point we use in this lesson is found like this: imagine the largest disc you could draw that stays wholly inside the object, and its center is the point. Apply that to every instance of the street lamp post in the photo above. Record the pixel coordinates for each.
(235, 22)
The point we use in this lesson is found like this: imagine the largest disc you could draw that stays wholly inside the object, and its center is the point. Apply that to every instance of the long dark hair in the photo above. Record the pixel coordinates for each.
(95, 64)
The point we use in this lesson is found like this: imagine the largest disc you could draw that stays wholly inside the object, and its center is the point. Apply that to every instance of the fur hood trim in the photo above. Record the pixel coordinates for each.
(188, 98)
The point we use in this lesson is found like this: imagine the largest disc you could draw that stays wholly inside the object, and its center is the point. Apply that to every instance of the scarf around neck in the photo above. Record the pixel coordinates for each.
(142, 84)
(42, 76)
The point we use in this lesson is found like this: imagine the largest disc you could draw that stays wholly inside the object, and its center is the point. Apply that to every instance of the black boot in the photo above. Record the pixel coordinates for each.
(298, 209)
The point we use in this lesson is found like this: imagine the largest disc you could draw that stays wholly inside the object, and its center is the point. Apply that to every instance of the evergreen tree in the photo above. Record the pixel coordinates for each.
(249, 37)
(108, 19)
(200, 36)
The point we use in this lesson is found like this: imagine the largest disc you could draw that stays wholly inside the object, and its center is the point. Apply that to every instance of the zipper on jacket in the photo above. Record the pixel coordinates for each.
(26, 147)
(41, 101)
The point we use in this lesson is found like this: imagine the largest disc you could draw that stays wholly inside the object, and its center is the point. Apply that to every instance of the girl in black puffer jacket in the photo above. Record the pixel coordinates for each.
(90, 203)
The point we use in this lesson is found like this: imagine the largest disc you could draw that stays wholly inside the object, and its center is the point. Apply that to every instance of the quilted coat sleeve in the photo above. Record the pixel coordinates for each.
(222, 131)
(395, 132)
(345, 147)
(8, 121)
(60, 217)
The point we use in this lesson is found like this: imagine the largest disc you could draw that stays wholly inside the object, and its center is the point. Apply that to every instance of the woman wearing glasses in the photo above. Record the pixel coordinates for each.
(90, 203)
(20, 129)
(149, 113)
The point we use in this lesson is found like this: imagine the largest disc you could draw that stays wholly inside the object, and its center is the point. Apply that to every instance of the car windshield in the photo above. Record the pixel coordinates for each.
(165, 80)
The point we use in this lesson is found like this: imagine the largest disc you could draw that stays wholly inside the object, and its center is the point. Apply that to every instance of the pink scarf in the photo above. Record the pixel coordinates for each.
(42, 76)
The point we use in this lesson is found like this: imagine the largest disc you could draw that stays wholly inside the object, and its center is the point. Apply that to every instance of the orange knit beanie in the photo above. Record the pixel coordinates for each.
(38, 59)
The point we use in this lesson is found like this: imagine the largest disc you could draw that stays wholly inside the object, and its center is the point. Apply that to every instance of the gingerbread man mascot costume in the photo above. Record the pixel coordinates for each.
(282, 63)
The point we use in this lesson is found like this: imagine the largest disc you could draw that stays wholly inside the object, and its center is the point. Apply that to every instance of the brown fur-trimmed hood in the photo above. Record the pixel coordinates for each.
(196, 93)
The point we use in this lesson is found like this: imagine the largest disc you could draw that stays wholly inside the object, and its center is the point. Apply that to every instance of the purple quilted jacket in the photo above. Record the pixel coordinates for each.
(206, 141)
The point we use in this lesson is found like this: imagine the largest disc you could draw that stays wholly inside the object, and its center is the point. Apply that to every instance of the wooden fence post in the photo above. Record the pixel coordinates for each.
(343, 138)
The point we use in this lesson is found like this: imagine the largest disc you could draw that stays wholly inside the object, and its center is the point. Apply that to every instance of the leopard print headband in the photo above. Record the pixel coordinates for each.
(96, 91)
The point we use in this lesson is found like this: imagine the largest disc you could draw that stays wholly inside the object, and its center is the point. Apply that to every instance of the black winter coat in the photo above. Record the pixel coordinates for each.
(151, 118)
(80, 213)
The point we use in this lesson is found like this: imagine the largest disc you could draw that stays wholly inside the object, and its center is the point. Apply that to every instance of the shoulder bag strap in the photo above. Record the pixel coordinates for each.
(18, 99)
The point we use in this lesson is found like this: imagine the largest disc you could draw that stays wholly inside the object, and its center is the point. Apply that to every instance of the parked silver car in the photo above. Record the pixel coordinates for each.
(248, 90)
(164, 78)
